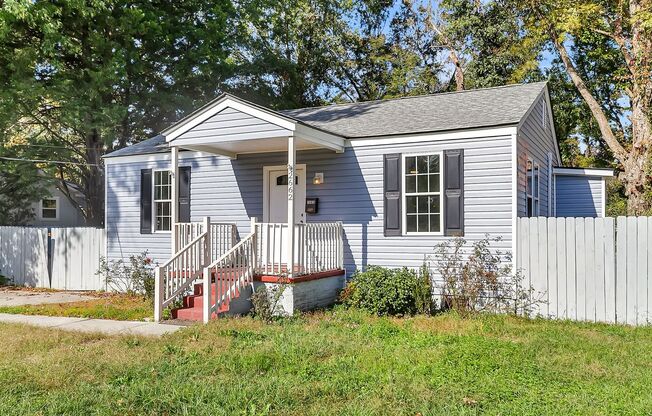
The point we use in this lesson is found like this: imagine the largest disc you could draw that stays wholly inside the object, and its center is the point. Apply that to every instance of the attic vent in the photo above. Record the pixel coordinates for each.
(544, 115)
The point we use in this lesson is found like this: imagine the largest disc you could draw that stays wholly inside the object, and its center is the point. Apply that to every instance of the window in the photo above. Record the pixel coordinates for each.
(162, 200)
(422, 200)
(532, 188)
(49, 209)
(283, 180)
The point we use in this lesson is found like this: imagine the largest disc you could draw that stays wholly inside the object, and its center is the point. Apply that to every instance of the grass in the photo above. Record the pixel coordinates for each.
(340, 362)
(106, 306)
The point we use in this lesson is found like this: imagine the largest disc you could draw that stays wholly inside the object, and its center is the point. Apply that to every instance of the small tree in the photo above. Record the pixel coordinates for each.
(135, 278)
(483, 282)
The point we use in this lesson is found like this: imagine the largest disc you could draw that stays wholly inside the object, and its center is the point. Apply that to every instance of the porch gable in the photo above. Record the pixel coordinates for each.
(229, 126)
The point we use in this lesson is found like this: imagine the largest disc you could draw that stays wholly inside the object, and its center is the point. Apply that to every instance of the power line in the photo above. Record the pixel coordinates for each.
(54, 146)
(60, 162)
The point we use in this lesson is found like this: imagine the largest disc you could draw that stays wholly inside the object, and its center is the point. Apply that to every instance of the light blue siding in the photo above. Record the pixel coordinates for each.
(579, 196)
(230, 124)
(352, 192)
(123, 213)
(536, 141)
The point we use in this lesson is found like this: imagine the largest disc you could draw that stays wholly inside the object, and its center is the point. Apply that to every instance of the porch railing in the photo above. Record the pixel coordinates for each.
(176, 275)
(318, 247)
(223, 236)
(198, 245)
(232, 273)
(211, 254)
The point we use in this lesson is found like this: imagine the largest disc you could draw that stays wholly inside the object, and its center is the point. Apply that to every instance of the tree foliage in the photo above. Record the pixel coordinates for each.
(604, 48)
(79, 79)
(82, 78)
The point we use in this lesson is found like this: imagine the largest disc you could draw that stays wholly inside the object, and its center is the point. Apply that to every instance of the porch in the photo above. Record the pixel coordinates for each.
(283, 248)
(224, 268)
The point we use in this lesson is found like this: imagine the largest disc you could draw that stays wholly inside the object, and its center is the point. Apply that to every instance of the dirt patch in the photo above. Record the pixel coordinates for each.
(20, 297)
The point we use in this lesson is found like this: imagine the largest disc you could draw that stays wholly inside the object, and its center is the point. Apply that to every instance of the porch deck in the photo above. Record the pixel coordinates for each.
(269, 254)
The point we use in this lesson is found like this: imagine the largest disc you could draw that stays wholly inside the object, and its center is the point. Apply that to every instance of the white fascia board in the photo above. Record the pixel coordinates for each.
(584, 172)
(427, 137)
(212, 150)
(320, 138)
(155, 157)
(180, 128)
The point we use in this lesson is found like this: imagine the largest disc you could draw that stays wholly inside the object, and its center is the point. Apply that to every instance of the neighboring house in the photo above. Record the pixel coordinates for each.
(56, 210)
(375, 183)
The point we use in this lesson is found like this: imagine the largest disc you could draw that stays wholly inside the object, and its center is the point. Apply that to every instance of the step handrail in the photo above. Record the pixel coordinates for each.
(181, 270)
(183, 250)
(235, 269)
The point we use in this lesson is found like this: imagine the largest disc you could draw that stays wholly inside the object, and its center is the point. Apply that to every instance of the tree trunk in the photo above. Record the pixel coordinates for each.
(633, 160)
(635, 176)
(94, 182)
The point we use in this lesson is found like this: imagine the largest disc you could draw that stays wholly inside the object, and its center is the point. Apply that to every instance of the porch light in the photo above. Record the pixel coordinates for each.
(318, 179)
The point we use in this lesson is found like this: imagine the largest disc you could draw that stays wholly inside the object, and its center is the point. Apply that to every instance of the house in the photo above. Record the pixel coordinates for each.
(56, 210)
(236, 195)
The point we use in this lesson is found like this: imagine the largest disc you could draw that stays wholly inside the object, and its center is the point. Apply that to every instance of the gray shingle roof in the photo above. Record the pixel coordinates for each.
(427, 113)
(478, 108)
(155, 144)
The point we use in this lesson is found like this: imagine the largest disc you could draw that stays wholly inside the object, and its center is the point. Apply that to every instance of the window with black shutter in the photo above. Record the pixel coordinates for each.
(146, 201)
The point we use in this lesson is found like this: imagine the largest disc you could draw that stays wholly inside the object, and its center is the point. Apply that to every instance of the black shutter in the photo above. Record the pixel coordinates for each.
(392, 193)
(454, 192)
(146, 201)
(184, 194)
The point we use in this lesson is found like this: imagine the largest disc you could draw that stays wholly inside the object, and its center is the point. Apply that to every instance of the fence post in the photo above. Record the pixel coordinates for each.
(158, 294)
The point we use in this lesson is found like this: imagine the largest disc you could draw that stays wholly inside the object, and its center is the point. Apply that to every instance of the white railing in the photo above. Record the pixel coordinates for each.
(318, 248)
(223, 236)
(176, 275)
(232, 273)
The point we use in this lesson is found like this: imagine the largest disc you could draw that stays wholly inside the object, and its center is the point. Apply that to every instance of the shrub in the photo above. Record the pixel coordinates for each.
(484, 282)
(423, 291)
(265, 302)
(135, 278)
(383, 291)
(4, 281)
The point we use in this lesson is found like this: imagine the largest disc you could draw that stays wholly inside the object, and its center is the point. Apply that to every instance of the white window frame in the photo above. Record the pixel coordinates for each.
(56, 209)
(529, 186)
(155, 201)
(404, 193)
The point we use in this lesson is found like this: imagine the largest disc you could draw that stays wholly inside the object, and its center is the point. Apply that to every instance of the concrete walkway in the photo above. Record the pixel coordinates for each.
(104, 326)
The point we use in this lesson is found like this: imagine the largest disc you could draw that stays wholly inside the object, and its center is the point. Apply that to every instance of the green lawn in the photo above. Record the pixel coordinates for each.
(106, 306)
(339, 362)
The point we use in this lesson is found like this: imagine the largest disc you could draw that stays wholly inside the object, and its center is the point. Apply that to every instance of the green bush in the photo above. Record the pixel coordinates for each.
(384, 291)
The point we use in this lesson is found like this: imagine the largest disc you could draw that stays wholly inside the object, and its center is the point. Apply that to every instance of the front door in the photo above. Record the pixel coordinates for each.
(276, 203)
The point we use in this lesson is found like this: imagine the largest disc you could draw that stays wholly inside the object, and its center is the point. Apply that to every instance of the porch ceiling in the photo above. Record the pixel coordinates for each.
(233, 148)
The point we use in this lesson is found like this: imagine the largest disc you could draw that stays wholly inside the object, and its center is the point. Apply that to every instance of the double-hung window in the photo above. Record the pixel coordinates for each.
(422, 196)
(49, 208)
(532, 188)
(162, 200)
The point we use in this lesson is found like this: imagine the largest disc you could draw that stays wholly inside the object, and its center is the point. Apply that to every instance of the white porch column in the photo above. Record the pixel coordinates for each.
(292, 156)
(174, 209)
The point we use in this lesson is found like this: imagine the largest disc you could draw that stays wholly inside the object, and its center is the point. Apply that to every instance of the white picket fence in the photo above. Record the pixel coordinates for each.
(75, 257)
(589, 269)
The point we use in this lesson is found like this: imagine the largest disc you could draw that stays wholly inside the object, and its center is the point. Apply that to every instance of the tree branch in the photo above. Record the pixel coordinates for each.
(597, 111)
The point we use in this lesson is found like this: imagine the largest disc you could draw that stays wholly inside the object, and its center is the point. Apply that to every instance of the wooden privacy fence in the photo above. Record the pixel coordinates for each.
(67, 261)
(589, 269)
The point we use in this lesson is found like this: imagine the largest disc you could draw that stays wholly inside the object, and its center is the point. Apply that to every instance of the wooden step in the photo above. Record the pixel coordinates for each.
(193, 304)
